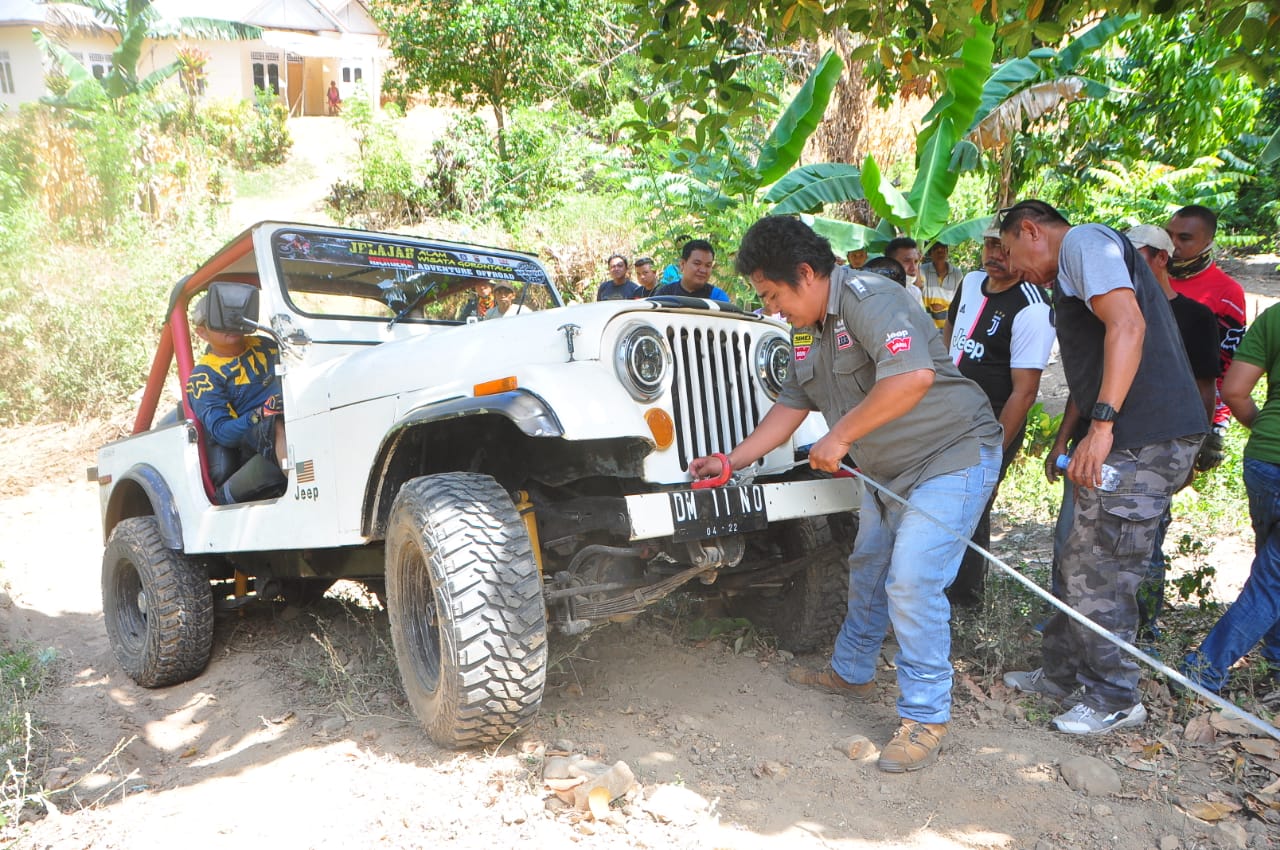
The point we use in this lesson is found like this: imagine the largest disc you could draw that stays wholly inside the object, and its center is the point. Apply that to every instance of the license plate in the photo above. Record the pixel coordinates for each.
(717, 512)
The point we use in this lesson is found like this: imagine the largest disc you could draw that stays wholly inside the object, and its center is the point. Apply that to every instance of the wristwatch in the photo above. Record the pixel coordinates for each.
(1103, 412)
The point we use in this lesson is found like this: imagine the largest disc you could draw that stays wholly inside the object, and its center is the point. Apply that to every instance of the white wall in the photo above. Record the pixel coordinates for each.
(26, 63)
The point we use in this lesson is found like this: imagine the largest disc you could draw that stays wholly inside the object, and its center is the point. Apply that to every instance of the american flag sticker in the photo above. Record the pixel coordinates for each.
(306, 472)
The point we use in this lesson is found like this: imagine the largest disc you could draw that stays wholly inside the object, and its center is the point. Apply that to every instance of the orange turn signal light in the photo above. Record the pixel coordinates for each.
(499, 385)
(661, 426)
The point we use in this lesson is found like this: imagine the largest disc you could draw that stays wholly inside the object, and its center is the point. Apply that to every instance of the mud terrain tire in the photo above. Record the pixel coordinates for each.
(157, 604)
(808, 610)
(465, 603)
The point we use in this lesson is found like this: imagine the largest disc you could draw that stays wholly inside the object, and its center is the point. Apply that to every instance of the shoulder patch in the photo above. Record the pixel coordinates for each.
(856, 285)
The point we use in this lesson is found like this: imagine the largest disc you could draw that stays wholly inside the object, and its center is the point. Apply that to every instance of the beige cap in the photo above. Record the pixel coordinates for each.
(1150, 236)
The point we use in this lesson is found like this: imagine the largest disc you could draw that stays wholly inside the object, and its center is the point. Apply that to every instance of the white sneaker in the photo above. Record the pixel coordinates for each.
(1083, 720)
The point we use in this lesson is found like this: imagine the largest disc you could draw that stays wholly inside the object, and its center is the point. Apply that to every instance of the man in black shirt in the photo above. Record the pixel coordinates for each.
(617, 286)
(697, 259)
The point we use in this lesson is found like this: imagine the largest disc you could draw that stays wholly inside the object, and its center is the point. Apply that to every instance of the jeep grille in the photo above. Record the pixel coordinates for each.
(713, 387)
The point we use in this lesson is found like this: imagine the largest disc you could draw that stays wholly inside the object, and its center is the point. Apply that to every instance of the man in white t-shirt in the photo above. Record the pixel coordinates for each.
(1000, 334)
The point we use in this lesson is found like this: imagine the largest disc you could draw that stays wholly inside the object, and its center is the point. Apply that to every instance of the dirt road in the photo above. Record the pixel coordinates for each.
(297, 735)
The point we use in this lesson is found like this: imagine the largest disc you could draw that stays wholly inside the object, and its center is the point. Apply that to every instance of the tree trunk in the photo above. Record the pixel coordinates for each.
(499, 117)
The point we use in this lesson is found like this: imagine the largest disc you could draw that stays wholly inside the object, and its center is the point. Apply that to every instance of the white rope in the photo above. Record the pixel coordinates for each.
(1253, 720)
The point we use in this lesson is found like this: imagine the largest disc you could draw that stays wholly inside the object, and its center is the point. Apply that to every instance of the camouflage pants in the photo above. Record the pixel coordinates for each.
(1101, 564)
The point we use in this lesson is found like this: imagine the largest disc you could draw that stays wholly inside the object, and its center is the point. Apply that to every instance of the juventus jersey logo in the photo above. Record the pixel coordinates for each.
(995, 324)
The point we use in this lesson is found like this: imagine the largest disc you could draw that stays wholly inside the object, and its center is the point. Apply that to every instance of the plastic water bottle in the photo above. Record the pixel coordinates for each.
(1110, 475)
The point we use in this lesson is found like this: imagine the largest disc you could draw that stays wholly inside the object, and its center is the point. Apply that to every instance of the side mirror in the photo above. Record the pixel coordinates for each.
(233, 307)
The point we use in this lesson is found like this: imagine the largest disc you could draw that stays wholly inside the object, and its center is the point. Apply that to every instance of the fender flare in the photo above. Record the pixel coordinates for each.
(527, 411)
(163, 506)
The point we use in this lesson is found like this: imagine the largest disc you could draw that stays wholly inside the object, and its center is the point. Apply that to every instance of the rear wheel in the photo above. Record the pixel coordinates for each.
(464, 599)
(157, 604)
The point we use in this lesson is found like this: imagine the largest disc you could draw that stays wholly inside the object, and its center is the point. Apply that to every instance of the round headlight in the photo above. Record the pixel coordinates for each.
(773, 358)
(643, 361)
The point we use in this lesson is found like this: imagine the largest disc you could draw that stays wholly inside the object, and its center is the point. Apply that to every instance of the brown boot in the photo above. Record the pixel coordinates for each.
(829, 680)
(914, 745)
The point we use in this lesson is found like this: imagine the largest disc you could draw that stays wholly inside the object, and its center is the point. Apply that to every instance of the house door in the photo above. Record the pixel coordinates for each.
(353, 78)
(293, 85)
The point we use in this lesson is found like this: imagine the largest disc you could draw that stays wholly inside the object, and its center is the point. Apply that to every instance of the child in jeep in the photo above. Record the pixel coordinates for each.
(234, 392)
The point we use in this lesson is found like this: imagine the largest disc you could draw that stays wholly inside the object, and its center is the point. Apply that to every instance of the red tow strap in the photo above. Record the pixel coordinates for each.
(720, 480)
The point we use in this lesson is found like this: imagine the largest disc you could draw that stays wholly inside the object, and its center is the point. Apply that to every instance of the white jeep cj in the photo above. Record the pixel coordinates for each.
(500, 476)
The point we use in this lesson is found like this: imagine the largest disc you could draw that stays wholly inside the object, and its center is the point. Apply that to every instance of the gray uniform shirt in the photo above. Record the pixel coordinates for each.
(874, 330)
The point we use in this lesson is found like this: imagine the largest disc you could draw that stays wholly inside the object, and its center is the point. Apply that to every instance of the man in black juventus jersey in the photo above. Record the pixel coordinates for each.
(1000, 335)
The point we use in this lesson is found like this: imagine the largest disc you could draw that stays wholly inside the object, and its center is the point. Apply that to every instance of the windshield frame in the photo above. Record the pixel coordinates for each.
(359, 256)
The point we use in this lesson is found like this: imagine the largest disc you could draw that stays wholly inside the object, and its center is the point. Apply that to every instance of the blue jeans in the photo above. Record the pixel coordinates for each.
(1255, 615)
(899, 569)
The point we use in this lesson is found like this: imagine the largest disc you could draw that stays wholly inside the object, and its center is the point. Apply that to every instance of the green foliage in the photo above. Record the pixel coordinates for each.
(24, 671)
(386, 191)
(1172, 107)
(798, 121)
(488, 52)
(738, 633)
(247, 134)
(1144, 192)
(908, 42)
(1042, 430)
(1195, 583)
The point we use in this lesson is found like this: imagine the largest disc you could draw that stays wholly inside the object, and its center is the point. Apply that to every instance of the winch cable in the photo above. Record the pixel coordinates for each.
(1155, 664)
(1252, 719)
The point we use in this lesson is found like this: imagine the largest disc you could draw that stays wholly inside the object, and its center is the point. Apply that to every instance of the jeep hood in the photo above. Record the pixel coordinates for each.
(452, 360)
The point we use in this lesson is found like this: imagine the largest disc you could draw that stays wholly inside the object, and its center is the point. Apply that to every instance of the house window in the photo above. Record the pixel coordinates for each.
(266, 71)
(352, 74)
(346, 75)
(100, 64)
(6, 73)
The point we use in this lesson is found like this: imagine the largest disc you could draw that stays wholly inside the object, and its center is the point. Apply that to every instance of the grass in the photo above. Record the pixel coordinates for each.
(24, 671)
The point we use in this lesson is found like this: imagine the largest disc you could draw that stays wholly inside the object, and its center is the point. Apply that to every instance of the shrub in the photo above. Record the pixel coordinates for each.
(385, 192)
(248, 134)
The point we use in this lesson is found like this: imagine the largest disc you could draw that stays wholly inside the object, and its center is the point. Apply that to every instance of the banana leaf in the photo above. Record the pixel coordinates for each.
(845, 236)
(810, 188)
(965, 230)
(785, 144)
(1026, 107)
(935, 181)
(964, 84)
(884, 198)
(85, 92)
(1069, 57)
(1271, 152)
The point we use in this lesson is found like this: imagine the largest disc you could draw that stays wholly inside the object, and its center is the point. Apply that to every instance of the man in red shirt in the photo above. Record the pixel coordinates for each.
(1194, 273)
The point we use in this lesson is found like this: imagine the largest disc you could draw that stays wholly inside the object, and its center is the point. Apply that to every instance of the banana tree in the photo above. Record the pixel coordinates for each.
(983, 106)
(721, 175)
(135, 21)
(925, 209)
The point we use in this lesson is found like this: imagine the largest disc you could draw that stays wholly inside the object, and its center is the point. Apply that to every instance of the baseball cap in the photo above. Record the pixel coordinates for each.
(502, 284)
(200, 313)
(991, 232)
(1150, 236)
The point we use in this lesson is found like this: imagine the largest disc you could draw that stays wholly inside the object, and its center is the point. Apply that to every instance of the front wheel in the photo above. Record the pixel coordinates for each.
(157, 604)
(464, 598)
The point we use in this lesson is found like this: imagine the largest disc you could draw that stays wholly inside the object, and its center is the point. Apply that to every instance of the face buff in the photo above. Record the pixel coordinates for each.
(1183, 269)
